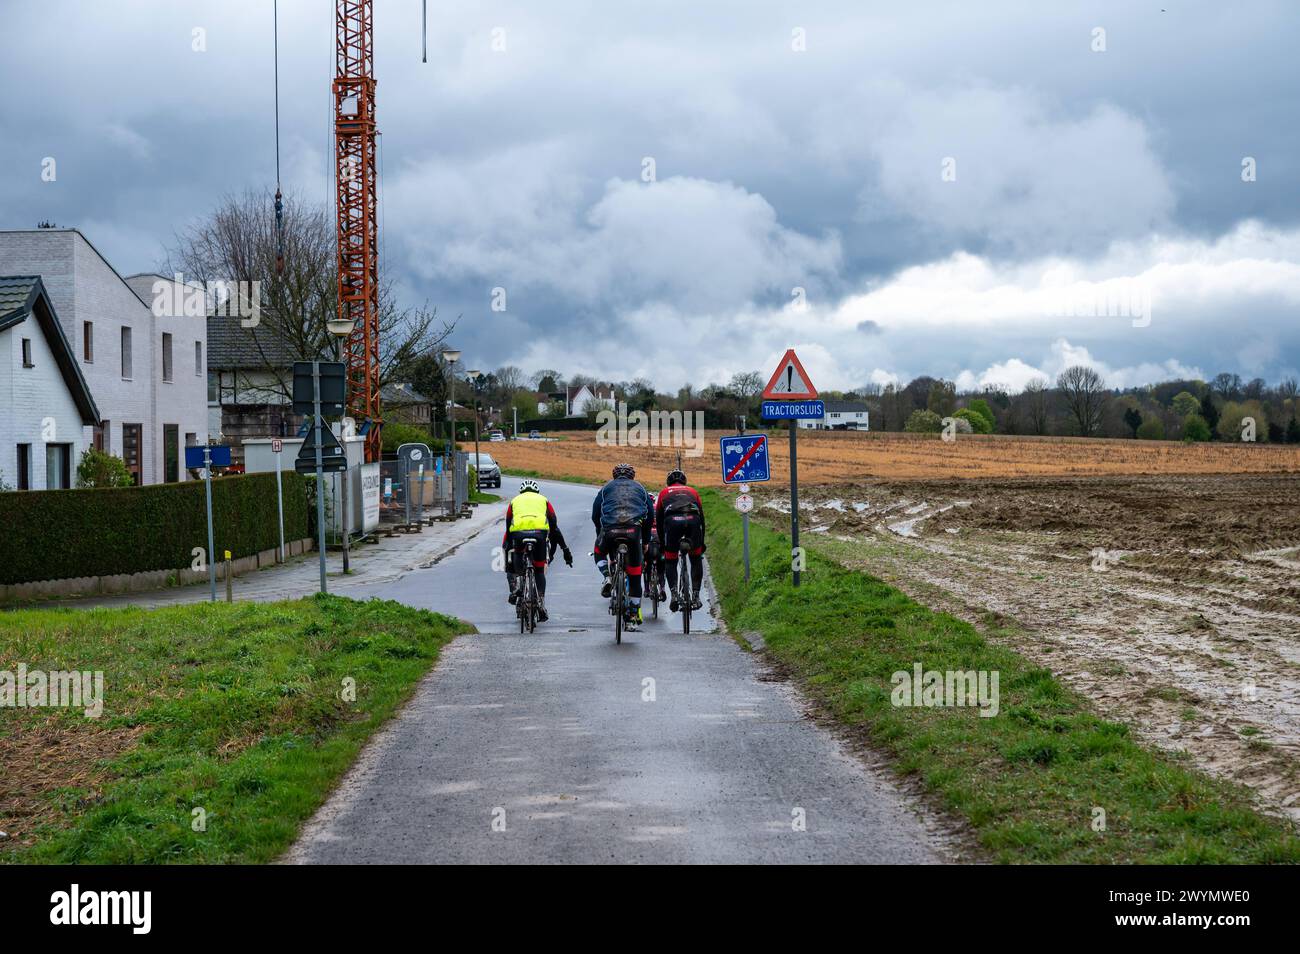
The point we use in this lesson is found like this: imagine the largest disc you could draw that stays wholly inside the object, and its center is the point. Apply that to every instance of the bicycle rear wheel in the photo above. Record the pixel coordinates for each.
(684, 588)
(654, 589)
(620, 601)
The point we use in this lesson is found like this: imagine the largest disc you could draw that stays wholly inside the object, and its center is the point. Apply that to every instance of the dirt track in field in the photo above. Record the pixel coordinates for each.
(837, 457)
(1173, 602)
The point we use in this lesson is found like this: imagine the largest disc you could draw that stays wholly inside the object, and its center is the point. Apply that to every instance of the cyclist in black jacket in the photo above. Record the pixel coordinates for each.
(621, 514)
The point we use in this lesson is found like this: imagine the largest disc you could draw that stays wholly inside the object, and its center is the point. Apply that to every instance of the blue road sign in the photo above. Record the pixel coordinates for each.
(744, 459)
(800, 409)
(194, 456)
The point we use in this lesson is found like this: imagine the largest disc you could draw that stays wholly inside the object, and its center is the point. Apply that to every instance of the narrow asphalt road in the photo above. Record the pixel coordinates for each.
(562, 747)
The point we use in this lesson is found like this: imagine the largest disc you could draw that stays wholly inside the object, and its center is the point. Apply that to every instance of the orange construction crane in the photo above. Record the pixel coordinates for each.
(358, 210)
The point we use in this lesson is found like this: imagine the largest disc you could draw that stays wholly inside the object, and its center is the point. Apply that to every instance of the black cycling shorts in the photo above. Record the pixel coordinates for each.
(609, 539)
(679, 527)
(517, 537)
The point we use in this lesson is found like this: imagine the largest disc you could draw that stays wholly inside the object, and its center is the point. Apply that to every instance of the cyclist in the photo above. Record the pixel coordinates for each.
(530, 516)
(621, 514)
(679, 514)
(654, 553)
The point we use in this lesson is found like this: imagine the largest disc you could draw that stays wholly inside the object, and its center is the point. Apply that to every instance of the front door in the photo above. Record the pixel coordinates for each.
(131, 441)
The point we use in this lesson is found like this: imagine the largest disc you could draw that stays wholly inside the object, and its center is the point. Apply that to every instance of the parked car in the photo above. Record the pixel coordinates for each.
(496, 436)
(489, 471)
(534, 435)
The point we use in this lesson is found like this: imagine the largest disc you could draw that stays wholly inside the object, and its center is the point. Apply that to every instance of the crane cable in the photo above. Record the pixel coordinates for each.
(279, 197)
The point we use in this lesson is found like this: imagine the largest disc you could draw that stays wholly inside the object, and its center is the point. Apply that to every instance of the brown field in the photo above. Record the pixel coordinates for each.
(837, 457)
(1173, 602)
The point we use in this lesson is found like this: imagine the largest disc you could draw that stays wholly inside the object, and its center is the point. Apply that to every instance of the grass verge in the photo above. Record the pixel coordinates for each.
(1030, 780)
(241, 711)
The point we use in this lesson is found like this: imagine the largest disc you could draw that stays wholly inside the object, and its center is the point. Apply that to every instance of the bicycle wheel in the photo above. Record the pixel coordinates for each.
(654, 589)
(684, 588)
(619, 600)
(532, 599)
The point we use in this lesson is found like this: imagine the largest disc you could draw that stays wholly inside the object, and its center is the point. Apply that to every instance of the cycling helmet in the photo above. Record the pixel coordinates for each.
(674, 477)
(624, 470)
(530, 484)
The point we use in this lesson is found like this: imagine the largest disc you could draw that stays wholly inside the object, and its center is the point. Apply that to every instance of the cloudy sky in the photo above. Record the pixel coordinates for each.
(680, 190)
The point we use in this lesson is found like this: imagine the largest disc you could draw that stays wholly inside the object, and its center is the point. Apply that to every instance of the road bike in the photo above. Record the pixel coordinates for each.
(653, 581)
(529, 601)
(618, 601)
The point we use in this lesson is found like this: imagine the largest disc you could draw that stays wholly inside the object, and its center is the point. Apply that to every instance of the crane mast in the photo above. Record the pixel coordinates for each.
(358, 207)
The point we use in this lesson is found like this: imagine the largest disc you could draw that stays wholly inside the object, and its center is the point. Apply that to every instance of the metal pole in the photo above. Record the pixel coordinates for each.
(476, 430)
(346, 526)
(515, 410)
(451, 413)
(794, 495)
(279, 504)
(744, 517)
(320, 473)
(212, 556)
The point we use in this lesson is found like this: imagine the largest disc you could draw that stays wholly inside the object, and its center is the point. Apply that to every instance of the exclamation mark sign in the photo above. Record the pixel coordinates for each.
(789, 377)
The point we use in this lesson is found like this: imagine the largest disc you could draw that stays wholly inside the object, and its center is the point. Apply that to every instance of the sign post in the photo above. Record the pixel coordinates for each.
(318, 389)
(277, 446)
(789, 395)
(318, 423)
(207, 457)
(212, 556)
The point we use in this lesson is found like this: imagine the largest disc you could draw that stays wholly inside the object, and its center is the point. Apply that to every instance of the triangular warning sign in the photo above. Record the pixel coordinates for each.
(790, 382)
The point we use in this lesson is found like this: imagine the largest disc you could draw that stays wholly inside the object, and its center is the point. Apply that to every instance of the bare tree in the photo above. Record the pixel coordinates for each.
(746, 384)
(1036, 405)
(510, 379)
(237, 243)
(1085, 395)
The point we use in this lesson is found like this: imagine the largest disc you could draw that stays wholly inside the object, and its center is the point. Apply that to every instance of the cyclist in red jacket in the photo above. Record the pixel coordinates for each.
(679, 516)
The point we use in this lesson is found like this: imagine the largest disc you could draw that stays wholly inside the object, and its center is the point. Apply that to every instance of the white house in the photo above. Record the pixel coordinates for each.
(146, 371)
(577, 398)
(840, 416)
(45, 404)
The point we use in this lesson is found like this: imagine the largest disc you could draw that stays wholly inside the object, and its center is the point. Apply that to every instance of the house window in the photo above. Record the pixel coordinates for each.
(58, 466)
(126, 353)
(198, 359)
(167, 356)
(88, 342)
(131, 438)
(171, 453)
(24, 466)
(27, 353)
(212, 387)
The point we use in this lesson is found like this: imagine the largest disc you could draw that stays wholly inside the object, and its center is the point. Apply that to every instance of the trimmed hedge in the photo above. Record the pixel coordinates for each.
(59, 534)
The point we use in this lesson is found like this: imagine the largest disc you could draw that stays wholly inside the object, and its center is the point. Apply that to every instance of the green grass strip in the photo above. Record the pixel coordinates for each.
(240, 710)
(1028, 780)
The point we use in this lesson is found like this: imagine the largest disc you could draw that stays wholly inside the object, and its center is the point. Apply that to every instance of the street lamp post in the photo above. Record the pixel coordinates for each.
(475, 376)
(451, 356)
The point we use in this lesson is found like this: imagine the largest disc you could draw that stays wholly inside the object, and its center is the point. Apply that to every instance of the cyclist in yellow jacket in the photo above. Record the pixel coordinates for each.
(530, 516)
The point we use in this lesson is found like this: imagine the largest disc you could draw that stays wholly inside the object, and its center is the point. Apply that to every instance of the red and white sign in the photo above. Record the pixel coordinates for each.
(277, 445)
(790, 381)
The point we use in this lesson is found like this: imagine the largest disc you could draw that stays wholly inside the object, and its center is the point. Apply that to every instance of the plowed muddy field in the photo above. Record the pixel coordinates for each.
(1171, 601)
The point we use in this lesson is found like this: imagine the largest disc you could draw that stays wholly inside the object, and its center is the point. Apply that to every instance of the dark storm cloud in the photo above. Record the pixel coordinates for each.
(516, 159)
